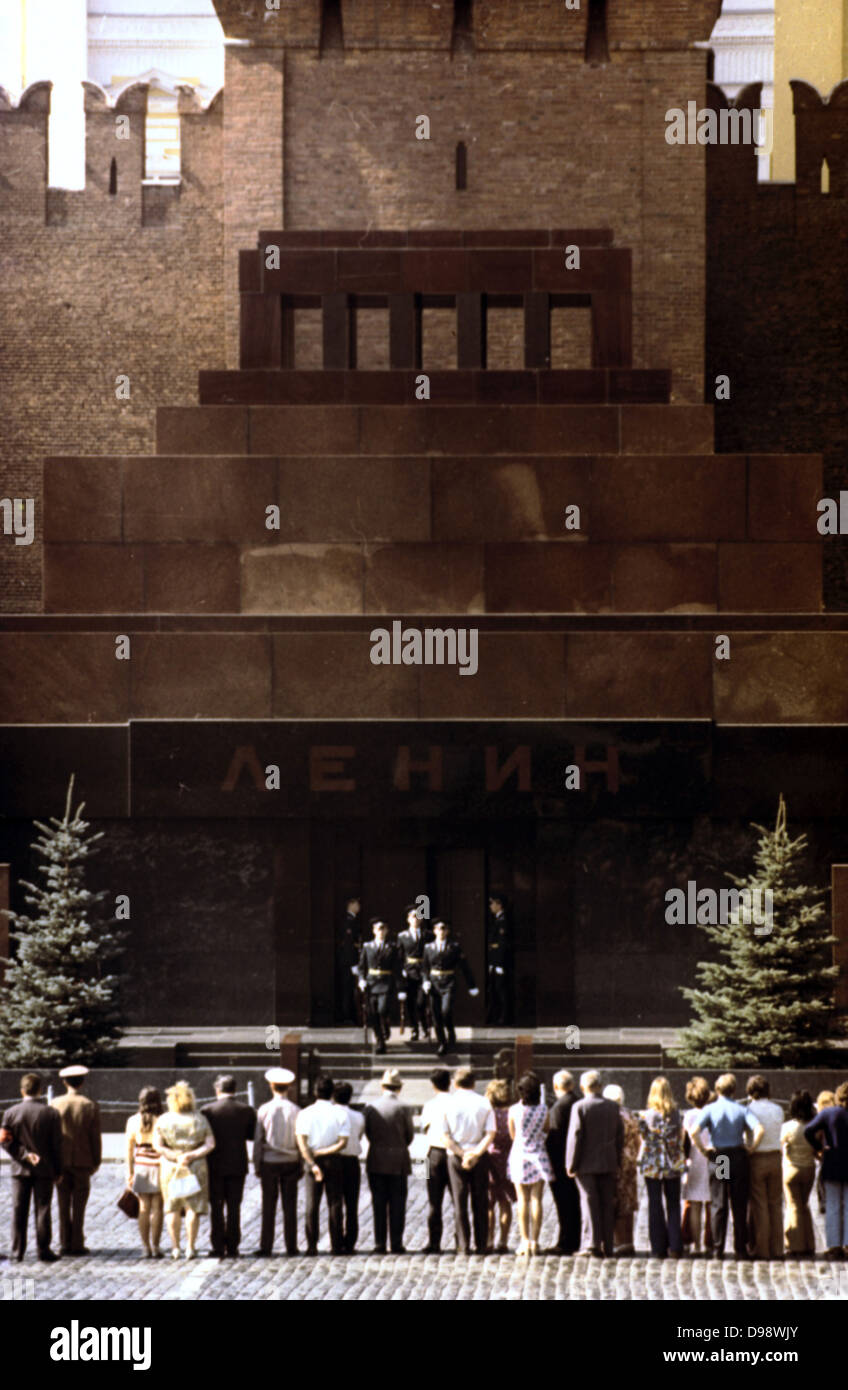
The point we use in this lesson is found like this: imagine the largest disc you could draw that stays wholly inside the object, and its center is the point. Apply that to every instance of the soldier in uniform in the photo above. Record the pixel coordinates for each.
(497, 963)
(379, 972)
(411, 945)
(442, 959)
(347, 957)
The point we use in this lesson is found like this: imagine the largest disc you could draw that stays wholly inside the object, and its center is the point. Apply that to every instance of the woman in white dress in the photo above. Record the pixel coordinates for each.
(696, 1184)
(529, 1166)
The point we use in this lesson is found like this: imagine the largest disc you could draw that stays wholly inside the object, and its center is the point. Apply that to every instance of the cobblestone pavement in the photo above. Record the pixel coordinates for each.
(116, 1270)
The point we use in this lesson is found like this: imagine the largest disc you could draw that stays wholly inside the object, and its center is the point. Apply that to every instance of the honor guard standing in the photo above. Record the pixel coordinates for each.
(442, 959)
(411, 946)
(498, 964)
(379, 970)
(347, 957)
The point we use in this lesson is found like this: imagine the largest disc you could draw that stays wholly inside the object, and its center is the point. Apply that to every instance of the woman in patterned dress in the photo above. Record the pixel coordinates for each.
(626, 1195)
(529, 1165)
(662, 1164)
(183, 1138)
(501, 1190)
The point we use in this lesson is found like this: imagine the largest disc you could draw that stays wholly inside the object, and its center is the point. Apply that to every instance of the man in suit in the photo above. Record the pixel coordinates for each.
(592, 1155)
(563, 1188)
(442, 959)
(233, 1123)
(35, 1147)
(379, 972)
(411, 946)
(81, 1154)
(498, 963)
(390, 1131)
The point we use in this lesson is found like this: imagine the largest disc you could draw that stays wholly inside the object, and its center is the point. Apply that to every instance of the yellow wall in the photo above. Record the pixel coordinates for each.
(811, 43)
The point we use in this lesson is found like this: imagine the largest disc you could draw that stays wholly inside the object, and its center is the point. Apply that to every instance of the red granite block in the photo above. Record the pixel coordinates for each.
(314, 673)
(770, 577)
(505, 388)
(494, 236)
(93, 579)
(506, 499)
(305, 429)
(200, 675)
(295, 237)
(666, 429)
(506, 271)
(191, 579)
(438, 271)
(650, 675)
(434, 236)
(470, 331)
(379, 388)
(250, 271)
(404, 331)
(559, 429)
(783, 493)
(63, 678)
(537, 330)
(581, 236)
(260, 330)
(783, 678)
(371, 272)
(82, 499)
(667, 498)
(612, 340)
(665, 579)
(448, 387)
(303, 272)
(198, 499)
(631, 386)
(361, 239)
(426, 578)
(354, 499)
(338, 332)
(573, 386)
(302, 578)
(601, 268)
(548, 577)
(519, 675)
(208, 429)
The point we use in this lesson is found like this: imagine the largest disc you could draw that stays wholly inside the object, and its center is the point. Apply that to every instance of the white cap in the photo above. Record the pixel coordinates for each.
(76, 1070)
(279, 1076)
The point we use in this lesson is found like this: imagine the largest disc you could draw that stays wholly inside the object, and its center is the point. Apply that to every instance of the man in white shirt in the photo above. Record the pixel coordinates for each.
(351, 1170)
(766, 1190)
(276, 1160)
(433, 1126)
(322, 1131)
(469, 1130)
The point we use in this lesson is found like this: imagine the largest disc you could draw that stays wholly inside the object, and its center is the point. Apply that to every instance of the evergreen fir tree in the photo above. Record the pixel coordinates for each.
(768, 999)
(58, 1002)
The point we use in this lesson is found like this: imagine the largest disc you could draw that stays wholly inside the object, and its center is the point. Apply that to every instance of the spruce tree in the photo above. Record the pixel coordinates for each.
(768, 999)
(58, 1001)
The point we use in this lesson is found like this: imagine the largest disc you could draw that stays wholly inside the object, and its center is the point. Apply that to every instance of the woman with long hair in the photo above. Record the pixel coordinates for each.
(662, 1164)
(501, 1190)
(529, 1165)
(143, 1169)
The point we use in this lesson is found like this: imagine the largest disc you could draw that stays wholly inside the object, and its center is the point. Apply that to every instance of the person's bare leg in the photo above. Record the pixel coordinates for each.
(523, 1214)
(192, 1226)
(491, 1237)
(144, 1223)
(157, 1216)
(505, 1219)
(695, 1211)
(535, 1216)
(174, 1230)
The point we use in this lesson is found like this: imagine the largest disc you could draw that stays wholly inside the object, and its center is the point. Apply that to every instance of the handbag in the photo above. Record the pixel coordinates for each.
(129, 1203)
(185, 1186)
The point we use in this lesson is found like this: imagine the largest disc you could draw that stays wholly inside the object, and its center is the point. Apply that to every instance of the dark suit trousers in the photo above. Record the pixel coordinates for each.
(664, 1229)
(331, 1167)
(567, 1199)
(473, 1184)
(442, 1004)
(279, 1178)
(416, 1001)
(351, 1180)
(496, 1004)
(72, 1191)
(41, 1190)
(730, 1194)
(437, 1182)
(225, 1234)
(388, 1198)
(378, 1013)
(597, 1207)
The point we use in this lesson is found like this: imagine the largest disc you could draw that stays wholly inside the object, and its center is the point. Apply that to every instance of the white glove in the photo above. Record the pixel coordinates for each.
(426, 986)
(473, 992)
(401, 996)
(498, 969)
(353, 970)
(361, 984)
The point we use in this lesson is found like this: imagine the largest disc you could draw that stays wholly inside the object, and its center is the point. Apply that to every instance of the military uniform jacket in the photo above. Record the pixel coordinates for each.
(379, 966)
(81, 1141)
(497, 943)
(412, 954)
(450, 962)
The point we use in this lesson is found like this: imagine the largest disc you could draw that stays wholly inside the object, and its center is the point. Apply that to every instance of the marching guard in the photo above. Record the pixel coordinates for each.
(411, 945)
(379, 974)
(442, 959)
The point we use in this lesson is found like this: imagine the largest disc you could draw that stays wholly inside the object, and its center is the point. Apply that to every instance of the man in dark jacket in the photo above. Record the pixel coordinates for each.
(233, 1123)
(563, 1188)
(828, 1136)
(443, 958)
(35, 1147)
(411, 944)
(390, 1131)
(379, 973)
(592, 1156)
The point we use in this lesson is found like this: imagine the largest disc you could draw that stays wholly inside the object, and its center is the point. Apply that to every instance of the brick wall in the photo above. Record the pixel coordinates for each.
(87, 291)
